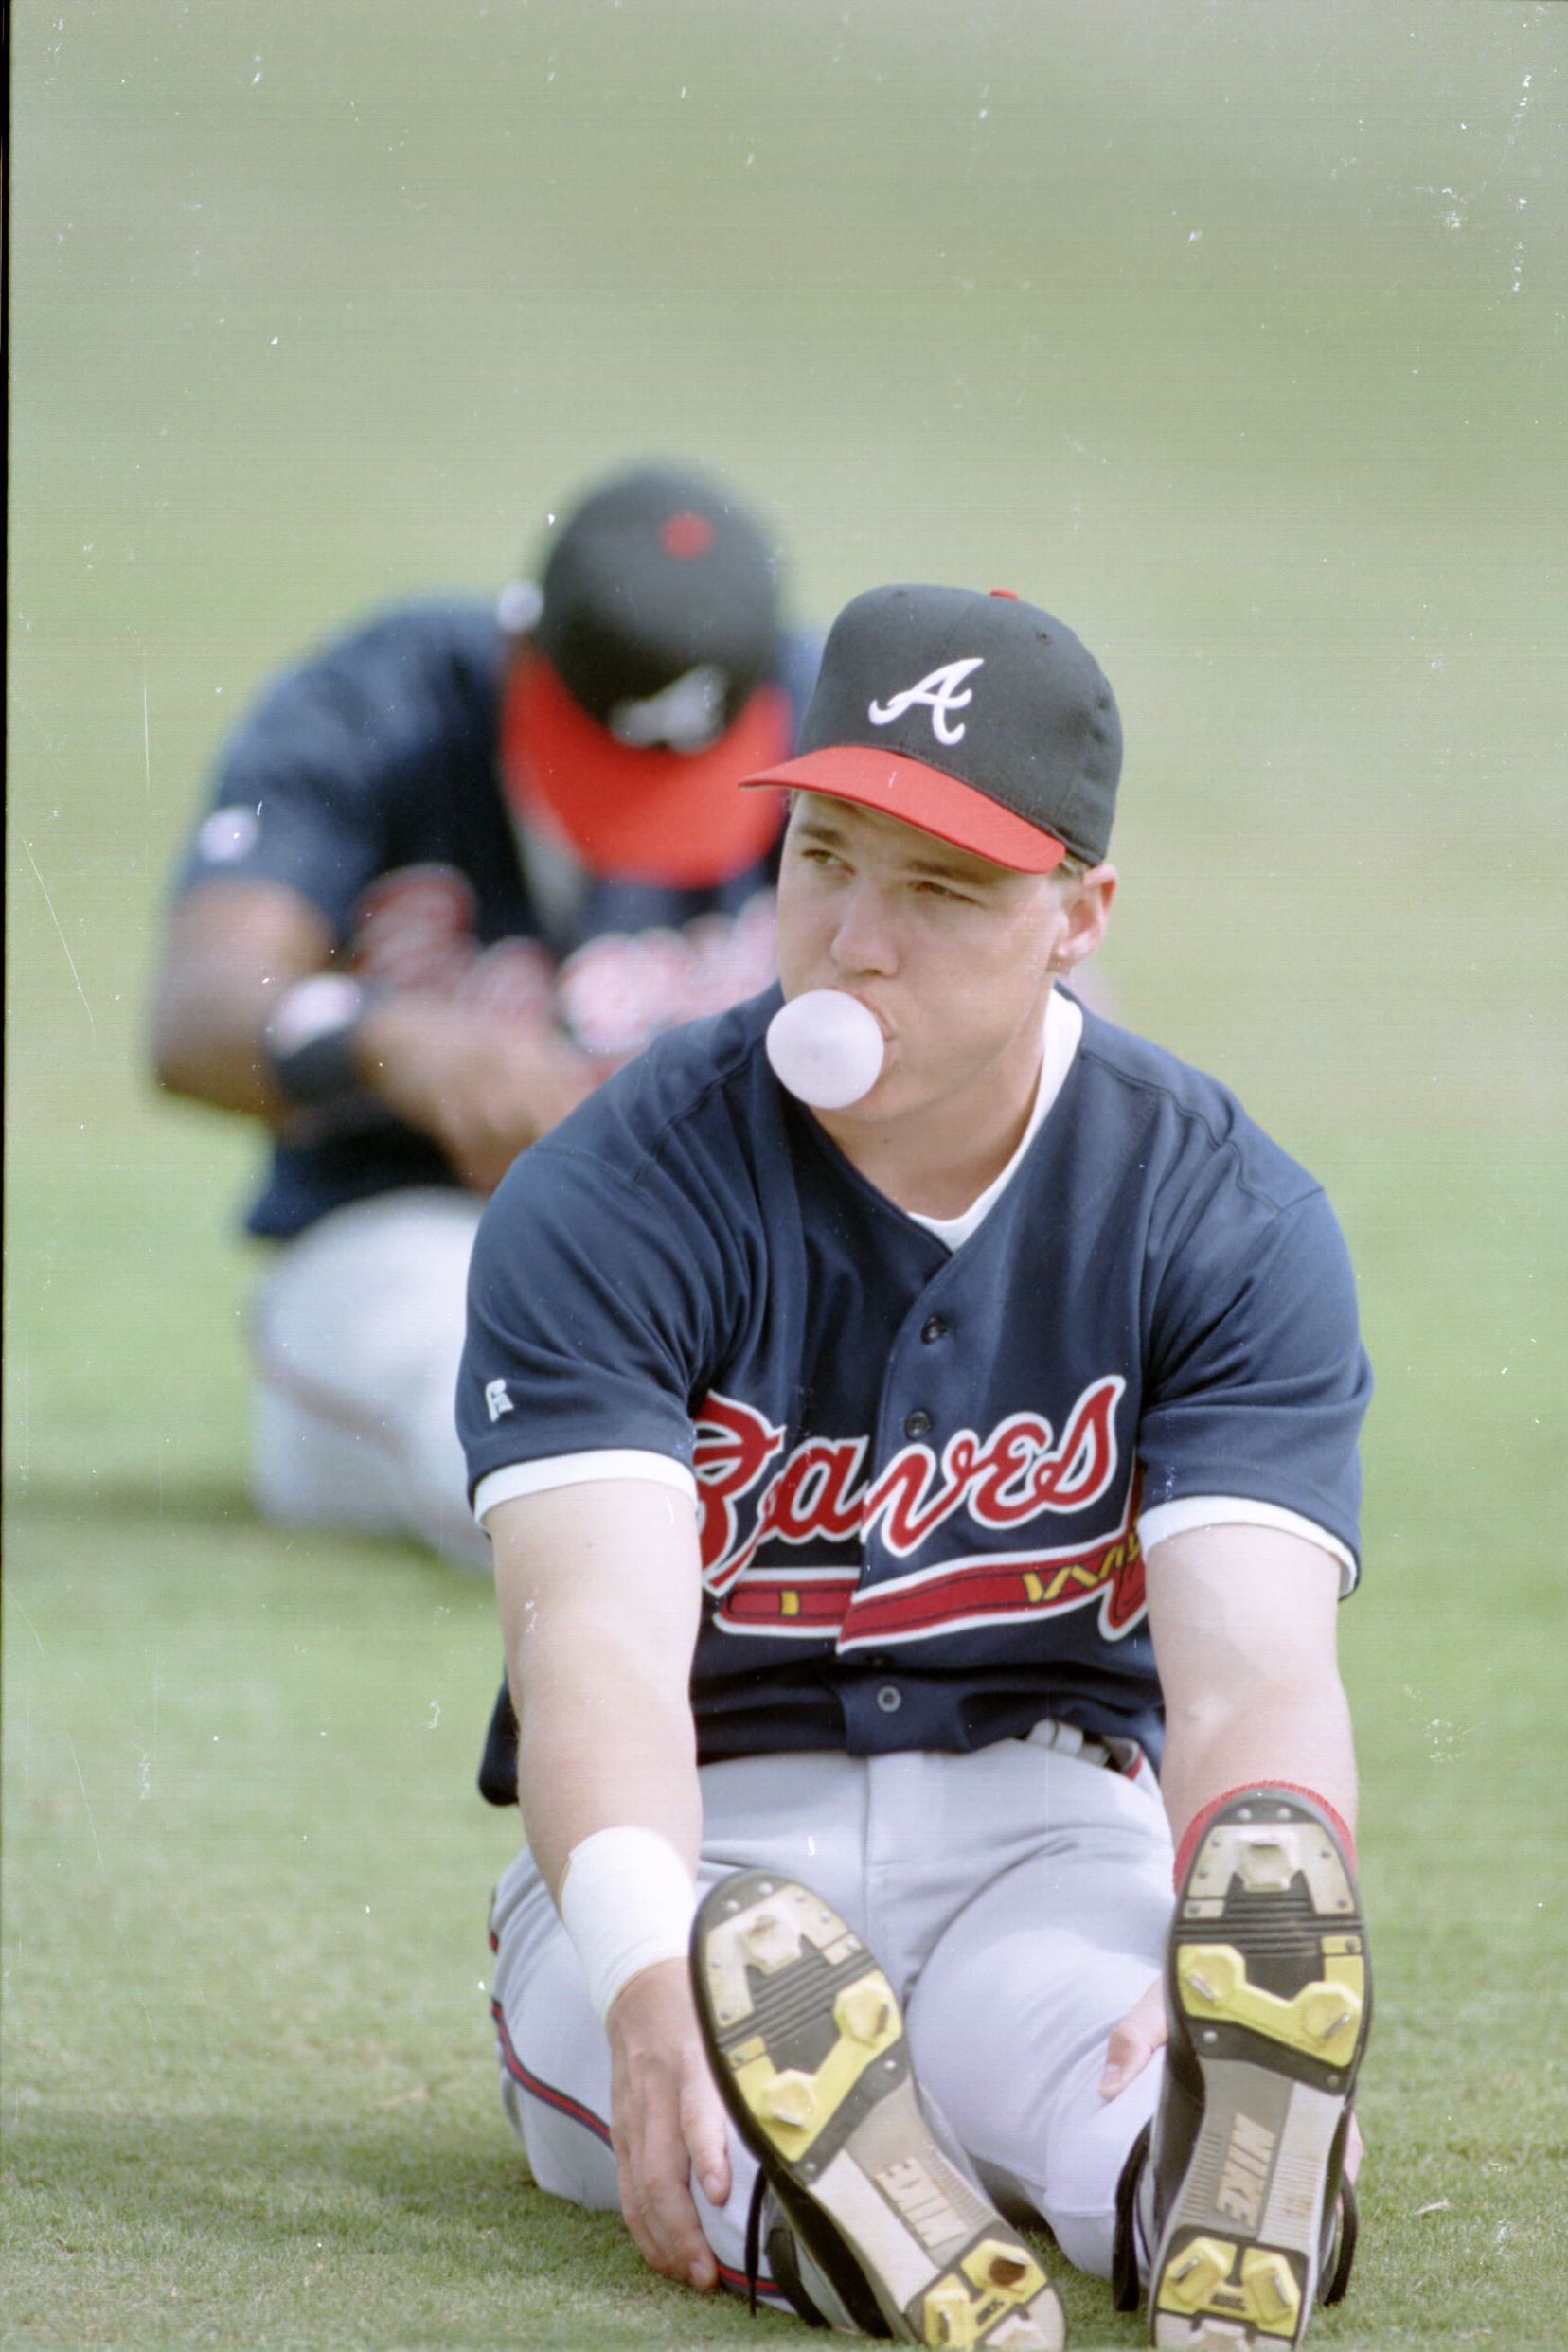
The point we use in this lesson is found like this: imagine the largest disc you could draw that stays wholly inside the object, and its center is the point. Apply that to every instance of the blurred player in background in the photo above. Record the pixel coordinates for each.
(458, 865)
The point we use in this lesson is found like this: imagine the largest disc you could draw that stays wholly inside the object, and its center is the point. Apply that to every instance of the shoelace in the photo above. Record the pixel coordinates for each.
(1346, 2237)
(754, 2239)
(1126, 2291)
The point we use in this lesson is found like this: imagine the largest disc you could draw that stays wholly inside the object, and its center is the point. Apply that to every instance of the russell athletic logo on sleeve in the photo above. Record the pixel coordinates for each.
(818, 1495)
(940, 690)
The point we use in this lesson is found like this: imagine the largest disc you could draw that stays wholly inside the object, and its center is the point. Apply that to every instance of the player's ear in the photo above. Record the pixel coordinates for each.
(1087, 904)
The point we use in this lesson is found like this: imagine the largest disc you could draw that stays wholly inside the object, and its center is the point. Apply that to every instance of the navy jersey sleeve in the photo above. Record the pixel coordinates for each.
(598, 1281)
(1257, 1382)
(311, 785)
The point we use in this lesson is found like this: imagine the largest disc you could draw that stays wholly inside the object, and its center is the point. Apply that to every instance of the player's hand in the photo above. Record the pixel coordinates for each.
(482, 1083)
(666, 2121)
(1133, 2042)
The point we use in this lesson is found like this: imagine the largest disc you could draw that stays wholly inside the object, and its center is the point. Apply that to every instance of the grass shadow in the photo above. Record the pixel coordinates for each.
(135, 1499)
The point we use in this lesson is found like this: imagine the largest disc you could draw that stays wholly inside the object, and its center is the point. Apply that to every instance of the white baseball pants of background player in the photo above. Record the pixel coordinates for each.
(357, 1333)
(1018, 1899)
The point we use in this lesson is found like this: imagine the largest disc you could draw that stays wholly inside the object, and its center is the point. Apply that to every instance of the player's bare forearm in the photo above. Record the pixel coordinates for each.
(232, 949)
(599, 1588)
(1244, 1623)
(602, 1745)
(1297, 1735)
(481, 1083)
(1243, 1620)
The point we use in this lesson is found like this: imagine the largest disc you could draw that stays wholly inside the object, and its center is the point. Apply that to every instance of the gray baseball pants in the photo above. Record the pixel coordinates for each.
(1018, 1899)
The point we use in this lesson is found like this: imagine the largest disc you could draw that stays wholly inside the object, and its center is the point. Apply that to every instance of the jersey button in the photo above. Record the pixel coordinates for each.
(935, 1328)
(890, 1699)
(917, 1423)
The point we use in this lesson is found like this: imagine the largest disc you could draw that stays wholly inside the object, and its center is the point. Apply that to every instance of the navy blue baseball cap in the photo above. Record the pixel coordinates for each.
(646, 685)
(980, 719)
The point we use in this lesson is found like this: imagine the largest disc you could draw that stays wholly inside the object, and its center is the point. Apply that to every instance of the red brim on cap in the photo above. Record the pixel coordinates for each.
(924, 797)
(660, 816)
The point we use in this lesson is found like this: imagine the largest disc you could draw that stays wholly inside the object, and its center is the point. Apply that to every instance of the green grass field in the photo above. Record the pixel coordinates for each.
(1234, 332)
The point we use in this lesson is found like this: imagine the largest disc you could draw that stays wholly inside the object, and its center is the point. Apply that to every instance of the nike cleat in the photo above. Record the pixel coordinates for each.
(1270, 1997)
(808, 2047)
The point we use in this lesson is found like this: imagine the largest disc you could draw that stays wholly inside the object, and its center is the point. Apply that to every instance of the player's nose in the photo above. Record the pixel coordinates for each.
(864, 939)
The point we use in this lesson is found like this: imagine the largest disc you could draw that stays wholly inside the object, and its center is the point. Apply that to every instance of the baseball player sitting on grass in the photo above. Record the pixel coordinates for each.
(457, 868)
(906, 1422)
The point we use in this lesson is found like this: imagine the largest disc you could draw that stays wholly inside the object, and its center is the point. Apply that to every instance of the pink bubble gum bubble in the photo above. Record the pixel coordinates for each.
(826, 1048)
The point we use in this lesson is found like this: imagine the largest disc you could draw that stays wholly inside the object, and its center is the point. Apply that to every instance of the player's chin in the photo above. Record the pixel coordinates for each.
(890, 1099)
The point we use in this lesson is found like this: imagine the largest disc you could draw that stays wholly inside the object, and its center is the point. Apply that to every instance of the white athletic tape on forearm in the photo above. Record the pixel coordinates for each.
(627, 1900)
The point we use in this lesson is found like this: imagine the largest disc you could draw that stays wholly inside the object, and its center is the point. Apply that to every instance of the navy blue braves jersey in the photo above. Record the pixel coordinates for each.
(366, 778)
(919, 1472)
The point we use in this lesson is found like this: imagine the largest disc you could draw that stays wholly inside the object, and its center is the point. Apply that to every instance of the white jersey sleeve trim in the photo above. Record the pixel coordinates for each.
(578, 1469)
(1231, 1510)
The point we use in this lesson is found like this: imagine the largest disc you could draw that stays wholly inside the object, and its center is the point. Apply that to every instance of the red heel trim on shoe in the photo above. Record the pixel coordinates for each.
(1192, 1835)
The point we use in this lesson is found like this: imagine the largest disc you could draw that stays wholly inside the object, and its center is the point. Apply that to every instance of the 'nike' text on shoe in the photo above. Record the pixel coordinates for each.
(808, 2047)
(1270, 1999)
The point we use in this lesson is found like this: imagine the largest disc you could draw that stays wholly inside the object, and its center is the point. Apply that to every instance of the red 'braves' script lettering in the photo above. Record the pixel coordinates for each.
(814, 1494)
(817, 1493)
(735, 1444)
(1020, 1471)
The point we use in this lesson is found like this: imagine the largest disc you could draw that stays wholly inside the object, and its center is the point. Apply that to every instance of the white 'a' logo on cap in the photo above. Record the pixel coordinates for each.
(688, 715)
(940, 689)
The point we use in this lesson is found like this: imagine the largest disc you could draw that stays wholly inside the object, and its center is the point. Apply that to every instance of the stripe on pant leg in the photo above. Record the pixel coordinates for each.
(546, 2093)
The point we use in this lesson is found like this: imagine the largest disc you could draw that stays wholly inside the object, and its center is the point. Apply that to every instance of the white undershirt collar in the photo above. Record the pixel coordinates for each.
(1063, 1031)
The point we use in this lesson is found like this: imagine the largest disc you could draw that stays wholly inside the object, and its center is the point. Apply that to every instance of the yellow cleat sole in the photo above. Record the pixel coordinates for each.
(1269, 2003)
(808, 2047)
